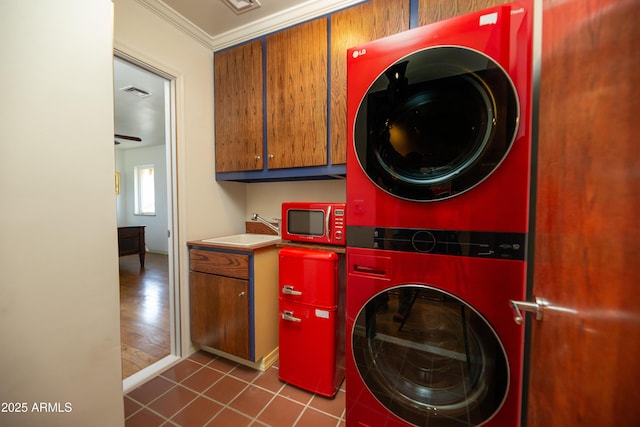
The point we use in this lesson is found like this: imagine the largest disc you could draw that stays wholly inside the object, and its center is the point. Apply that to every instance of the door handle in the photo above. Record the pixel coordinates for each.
(288, 315)
(289, 290)
(537, 308)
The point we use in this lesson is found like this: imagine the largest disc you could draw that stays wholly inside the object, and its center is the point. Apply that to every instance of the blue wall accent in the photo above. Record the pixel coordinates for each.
(413, 14)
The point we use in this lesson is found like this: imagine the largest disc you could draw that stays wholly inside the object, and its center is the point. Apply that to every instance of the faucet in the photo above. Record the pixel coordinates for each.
(257, 217)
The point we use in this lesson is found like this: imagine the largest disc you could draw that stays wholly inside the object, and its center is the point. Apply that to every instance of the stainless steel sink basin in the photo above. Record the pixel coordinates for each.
(245, 240)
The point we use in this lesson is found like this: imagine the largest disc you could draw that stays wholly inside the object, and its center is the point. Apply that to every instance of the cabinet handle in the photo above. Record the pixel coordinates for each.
(288, 290)
(258, 157)
(288, 315)
(271, 156)
(241, 294)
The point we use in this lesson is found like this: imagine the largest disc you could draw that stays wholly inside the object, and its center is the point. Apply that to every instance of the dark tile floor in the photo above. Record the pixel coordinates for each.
(205, 390)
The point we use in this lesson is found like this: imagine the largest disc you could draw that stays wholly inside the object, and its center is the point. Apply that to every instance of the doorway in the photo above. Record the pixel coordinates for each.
(144, 112)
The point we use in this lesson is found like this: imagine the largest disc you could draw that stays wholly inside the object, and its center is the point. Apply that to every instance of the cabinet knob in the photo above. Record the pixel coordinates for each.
(258, 157)
(271, 156)
(241, 294)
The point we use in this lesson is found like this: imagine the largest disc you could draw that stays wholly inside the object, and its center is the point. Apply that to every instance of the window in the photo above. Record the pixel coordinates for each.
(145, 197)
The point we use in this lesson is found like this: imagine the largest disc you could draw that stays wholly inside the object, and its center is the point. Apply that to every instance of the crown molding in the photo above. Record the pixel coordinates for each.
(276, 22)
(170, 15)
(270, 24)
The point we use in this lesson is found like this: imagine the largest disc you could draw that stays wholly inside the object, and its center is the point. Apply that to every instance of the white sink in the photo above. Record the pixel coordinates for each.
(245, 240)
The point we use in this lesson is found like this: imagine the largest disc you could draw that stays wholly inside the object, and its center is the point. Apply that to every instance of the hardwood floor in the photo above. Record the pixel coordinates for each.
(144, 312)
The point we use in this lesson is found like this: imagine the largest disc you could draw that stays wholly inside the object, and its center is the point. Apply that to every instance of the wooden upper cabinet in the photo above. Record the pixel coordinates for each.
(430, 11)
(359, 24)
(293, 98)
(238, 78)
(297, 96)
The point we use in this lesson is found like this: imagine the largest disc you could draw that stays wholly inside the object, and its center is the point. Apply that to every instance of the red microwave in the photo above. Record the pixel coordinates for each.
(314, 222)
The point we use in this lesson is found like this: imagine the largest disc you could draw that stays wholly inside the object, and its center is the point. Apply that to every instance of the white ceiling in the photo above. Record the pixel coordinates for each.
(136, 116)
(214, 17)
(213, 23)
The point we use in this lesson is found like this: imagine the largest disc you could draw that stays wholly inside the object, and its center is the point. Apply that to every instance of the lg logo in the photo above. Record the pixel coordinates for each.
(359, 52)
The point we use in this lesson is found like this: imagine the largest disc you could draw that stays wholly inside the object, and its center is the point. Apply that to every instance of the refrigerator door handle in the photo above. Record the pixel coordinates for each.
(288, 315)
(289, 290)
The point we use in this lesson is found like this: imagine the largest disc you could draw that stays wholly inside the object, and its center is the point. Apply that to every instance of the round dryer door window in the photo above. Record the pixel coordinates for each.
(429, 357)
(436, 123)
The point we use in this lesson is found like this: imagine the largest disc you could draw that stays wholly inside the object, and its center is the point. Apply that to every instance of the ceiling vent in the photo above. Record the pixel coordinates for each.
(135, 91)
(242, 6)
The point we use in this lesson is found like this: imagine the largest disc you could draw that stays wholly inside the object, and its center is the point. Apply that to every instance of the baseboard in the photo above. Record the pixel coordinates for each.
(261, 365)
(153, 251)
(148, 373)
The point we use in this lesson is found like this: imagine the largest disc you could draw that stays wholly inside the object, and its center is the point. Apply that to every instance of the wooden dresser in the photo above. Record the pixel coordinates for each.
(131, 241)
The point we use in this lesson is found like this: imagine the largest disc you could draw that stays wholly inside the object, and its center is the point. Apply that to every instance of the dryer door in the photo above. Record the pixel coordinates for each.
(436, 123)
(441, 365)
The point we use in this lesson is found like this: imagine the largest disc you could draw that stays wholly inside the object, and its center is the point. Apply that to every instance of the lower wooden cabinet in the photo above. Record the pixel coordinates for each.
(233, 296)
(220, 313)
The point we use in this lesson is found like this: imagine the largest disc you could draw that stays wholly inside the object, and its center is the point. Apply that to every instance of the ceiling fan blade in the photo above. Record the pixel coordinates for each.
(128, 137)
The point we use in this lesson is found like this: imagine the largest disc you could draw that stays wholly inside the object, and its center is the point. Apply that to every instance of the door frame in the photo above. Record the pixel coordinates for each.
(176, 345)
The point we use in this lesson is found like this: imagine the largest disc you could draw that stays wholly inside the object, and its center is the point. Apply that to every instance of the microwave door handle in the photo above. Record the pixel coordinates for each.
(326, 225)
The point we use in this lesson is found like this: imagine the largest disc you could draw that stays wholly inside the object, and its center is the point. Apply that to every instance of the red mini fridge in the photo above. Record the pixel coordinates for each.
(311, 320)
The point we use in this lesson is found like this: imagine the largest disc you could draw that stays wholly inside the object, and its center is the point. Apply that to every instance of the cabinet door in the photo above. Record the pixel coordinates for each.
(238, 78)
(220, 313)
(297, 96)
(359, 24)
(430, 11)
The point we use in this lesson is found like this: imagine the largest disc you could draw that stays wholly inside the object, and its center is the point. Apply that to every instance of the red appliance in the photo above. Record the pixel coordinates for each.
(312, 320)
(439, 121)
(438, 175)
(314, 222)
(457, 358)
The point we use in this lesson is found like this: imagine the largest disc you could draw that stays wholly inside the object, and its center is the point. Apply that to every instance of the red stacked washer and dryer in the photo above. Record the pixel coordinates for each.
(438, 177)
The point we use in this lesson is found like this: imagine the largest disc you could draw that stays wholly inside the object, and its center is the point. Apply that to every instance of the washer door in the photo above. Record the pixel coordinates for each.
(436, 123)
(442, 365)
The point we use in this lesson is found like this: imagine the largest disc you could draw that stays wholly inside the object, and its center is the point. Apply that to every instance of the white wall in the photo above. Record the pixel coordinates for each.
(59, 303)
(205, 208)
(212, 208)
(157, 225)
(266, 198)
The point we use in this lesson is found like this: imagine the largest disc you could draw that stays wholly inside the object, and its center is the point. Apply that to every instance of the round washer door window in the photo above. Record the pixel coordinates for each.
(436, 123)
(429, 357)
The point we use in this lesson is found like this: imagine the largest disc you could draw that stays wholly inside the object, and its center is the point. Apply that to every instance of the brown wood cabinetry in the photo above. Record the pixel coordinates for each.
(297, 96)
(430, 11)
(232, 310)
(292, 82)
(238, 78)
(360, 24)
(220, 313)
(222, 263)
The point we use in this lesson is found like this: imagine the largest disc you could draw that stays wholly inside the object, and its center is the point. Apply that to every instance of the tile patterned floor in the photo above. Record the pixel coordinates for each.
(205, 390)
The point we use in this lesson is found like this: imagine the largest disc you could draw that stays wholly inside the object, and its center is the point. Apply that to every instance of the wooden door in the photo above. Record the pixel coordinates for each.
(584, 368)
(239, 112)
(353, 26)
(297, 96)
